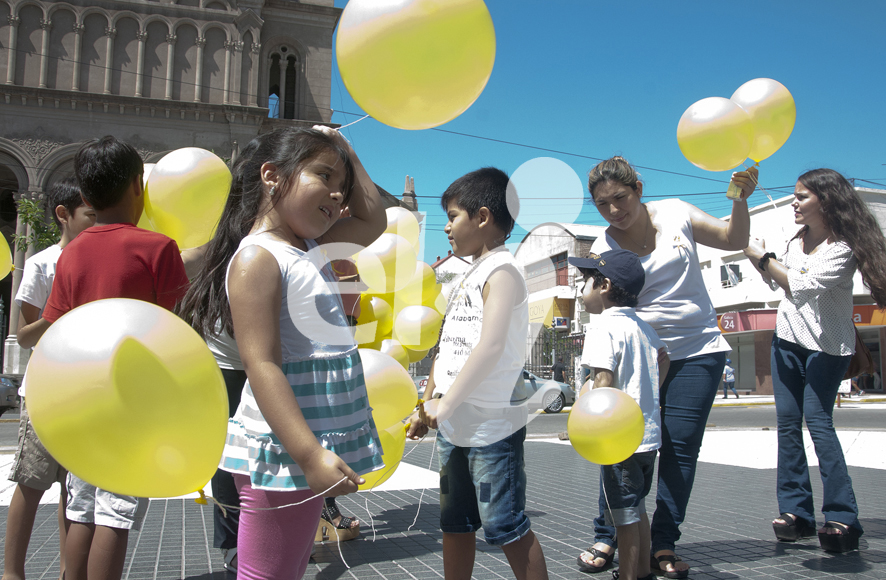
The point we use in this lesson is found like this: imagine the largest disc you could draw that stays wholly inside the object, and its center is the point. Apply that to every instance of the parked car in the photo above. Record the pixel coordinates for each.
(9, 398)
(554, 395)
(421, 383)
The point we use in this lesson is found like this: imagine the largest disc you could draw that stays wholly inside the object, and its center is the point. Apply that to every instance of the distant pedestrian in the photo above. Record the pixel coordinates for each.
(626, 354)
(303, 427)
(812, 346)
(559, 370)
(729, 379)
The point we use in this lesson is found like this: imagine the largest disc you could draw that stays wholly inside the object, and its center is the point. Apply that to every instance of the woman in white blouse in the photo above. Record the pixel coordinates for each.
(813, 343)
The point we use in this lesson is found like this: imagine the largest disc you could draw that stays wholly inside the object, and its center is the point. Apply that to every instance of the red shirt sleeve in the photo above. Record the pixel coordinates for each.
(59, 302)
(170, 277)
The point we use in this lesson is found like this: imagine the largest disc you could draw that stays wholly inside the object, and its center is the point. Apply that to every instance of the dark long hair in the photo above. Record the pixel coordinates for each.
(206, 301)
(851, 221)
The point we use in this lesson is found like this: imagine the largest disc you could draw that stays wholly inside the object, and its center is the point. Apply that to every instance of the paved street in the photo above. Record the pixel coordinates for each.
(727, 535)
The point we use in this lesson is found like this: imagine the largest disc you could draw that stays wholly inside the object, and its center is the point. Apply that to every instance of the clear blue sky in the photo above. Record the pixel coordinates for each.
(597, 79)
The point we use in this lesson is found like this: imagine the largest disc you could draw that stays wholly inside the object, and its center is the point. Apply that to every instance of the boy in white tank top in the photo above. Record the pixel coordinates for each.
(482, 348)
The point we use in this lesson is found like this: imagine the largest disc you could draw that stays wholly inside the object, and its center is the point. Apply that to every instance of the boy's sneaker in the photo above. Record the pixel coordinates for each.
(230, 556)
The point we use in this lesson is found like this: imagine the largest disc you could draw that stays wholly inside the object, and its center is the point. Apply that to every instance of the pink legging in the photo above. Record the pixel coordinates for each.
(275, 544)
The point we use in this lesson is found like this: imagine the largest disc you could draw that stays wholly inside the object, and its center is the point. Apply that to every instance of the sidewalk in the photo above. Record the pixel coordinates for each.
(770, 400)
(727, 534)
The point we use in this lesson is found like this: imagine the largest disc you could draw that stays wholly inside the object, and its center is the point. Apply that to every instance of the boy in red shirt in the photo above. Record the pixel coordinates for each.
(113, 259)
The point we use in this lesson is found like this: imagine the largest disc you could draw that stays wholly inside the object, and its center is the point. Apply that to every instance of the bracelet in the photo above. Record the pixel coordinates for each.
(764, 260)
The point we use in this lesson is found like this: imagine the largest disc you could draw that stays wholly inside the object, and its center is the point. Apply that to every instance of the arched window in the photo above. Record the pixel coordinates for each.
(283, 83)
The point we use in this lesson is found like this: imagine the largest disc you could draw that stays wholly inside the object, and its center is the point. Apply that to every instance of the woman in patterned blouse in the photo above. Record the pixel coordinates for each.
(813, 343)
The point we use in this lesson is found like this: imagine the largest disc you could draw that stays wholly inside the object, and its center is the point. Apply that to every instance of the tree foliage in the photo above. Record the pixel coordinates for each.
(41, 234)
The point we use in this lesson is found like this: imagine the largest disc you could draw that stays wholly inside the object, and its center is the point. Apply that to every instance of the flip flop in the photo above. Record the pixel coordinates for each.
(655, 564)
(593, 554)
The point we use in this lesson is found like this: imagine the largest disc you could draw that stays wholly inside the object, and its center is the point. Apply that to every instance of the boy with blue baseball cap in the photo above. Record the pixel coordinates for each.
(626, 354)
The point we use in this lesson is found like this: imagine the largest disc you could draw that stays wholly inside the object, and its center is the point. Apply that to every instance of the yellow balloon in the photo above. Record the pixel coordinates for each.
(415, 355)
(402, 222)
(772, 112)
(393, 443)
(605, 426)
(440, 303)
(388, 264)
(392, 394)
(395, 350)
(422, 288)
(144, 222)
(715, 134)
(375, 321)
(415, 64)
(418, 327)
(186, 194)
(6, 260)
(128, 397)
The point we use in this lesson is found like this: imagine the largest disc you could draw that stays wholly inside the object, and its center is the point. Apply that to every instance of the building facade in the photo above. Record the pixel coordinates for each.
(159, 74)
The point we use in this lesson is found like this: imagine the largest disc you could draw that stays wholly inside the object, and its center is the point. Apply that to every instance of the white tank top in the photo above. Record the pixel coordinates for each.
(461, 334)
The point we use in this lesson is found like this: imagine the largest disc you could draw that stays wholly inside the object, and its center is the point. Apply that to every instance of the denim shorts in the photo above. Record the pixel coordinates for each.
(33, 466)
(625, 486)
(484, 487)
(88, 504)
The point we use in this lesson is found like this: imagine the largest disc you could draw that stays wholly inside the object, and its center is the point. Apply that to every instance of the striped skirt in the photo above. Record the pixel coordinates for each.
(332, 395)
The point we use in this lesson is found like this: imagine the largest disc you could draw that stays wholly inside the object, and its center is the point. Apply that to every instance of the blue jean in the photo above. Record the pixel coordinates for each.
(626, 485)
(729, 385)
(686, 398)
(805, 382)
(484, 486)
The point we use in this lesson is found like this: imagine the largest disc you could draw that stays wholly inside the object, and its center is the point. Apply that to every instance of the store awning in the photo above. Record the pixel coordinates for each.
(764, 319)
(543, 311)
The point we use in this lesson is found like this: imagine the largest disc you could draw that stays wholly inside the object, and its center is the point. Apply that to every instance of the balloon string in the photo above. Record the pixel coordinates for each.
(203, 497)
(760, 187)
(421, 497)
(353, 123)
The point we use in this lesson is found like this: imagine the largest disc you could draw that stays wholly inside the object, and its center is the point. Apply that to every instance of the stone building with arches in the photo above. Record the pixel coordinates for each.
(159, 74)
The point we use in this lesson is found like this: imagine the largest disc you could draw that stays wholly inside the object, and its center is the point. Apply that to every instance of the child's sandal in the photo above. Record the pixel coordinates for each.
(342, 532)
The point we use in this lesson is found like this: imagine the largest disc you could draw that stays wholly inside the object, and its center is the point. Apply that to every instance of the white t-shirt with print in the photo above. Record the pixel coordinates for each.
(619, 341)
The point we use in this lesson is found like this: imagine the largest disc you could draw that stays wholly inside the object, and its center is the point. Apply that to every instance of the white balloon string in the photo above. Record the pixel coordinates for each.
(763, 189)
(603, 488)
(279, 507)
(371, 520)
(421, 497)
(353, 123)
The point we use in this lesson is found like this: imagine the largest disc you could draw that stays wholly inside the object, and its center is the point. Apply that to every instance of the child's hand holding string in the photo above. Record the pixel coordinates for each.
(415, 428)
(323, 469)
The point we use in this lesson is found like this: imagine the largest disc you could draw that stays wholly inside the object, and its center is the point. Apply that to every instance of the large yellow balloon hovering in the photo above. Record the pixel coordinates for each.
(772, 112)
(129, 398)
(415, 64)
(185, 195)
(715, 134)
